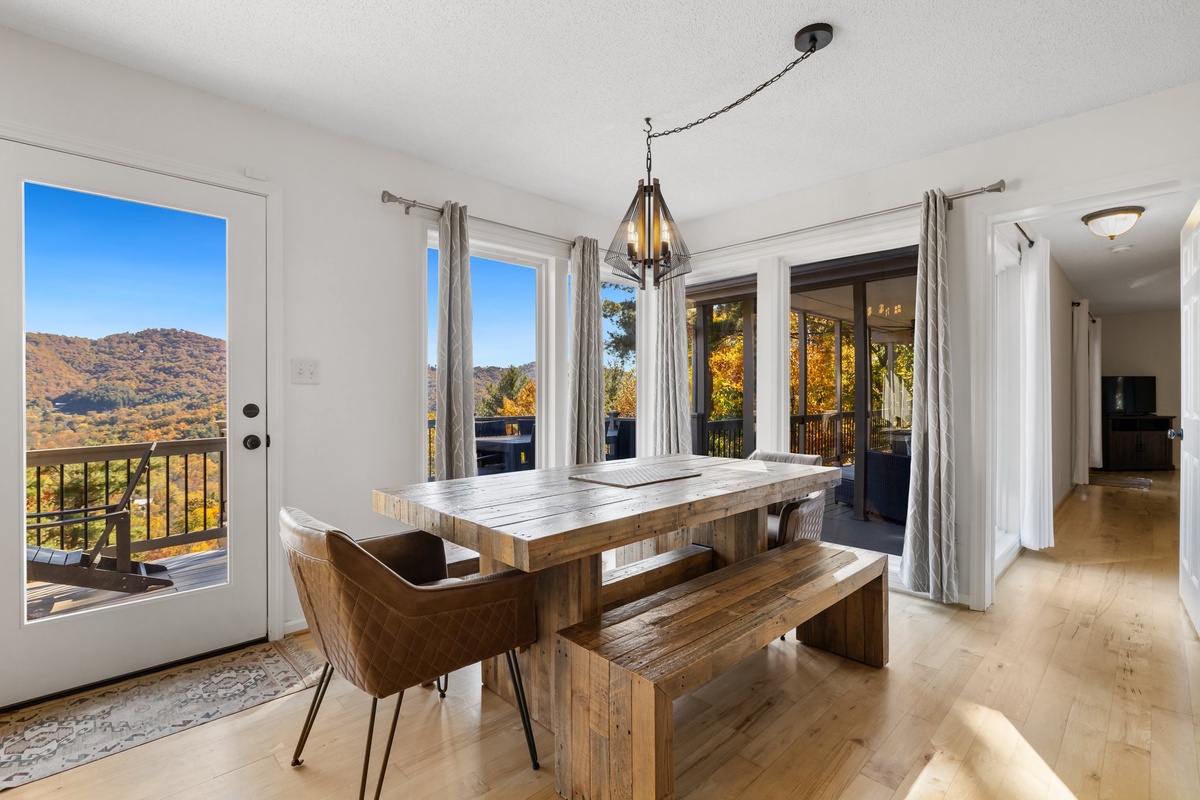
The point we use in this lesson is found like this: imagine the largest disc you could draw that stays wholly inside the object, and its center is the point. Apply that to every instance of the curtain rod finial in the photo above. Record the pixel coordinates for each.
(998, 186)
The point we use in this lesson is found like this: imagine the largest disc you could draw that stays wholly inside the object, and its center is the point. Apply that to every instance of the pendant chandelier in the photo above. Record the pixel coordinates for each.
(648, 242)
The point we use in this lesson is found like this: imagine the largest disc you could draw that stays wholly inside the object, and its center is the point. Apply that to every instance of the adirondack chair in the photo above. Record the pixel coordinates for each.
(90, 569)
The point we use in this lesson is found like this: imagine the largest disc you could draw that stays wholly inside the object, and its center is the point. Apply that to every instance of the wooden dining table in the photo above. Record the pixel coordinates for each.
(549, 522)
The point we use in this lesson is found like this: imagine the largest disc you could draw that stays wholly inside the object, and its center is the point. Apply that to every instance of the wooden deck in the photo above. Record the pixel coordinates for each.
(875, 533)
(191, 571)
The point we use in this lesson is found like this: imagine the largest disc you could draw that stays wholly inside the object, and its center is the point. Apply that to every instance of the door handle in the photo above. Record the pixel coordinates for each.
(251, 442)
(1175, 434)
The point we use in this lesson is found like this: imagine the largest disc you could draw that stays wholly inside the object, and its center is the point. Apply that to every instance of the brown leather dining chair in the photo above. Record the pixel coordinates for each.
(387, 617)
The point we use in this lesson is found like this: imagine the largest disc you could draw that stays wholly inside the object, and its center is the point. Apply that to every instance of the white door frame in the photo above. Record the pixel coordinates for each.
(981, 222)
(277, 570)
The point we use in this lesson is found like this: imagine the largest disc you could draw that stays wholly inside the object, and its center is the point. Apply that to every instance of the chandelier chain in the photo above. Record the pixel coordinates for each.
(812, 49)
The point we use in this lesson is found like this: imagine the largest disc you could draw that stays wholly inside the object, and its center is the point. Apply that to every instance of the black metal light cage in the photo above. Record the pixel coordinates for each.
(648, 240)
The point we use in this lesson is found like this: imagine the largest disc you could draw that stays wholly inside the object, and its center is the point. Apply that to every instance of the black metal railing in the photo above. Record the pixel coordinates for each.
(724, 437)
(832, 435)
(180, 500)
(484, 426)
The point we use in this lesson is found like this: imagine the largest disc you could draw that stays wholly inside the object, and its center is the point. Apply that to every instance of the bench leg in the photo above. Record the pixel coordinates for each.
(614, 731)
(856, 627)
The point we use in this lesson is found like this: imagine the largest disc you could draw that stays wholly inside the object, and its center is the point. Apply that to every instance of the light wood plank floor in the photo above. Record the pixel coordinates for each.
(1083, 679)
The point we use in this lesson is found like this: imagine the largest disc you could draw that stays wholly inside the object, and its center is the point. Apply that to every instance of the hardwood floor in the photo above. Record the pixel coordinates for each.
(1082, 680)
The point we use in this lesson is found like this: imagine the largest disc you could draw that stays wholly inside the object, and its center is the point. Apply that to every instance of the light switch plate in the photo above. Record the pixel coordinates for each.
(306, 370)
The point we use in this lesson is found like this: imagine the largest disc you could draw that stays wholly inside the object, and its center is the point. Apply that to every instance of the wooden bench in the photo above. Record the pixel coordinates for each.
(649, 575)
(617, 675)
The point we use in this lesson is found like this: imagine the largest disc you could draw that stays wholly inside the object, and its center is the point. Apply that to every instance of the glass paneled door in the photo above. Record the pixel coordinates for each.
(851, 345)
(133, 346)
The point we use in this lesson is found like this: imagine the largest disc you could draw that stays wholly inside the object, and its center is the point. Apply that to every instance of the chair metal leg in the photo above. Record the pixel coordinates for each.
(318, 697)
(387, 751)
(442, 684)
(514, 670)
(362, 786)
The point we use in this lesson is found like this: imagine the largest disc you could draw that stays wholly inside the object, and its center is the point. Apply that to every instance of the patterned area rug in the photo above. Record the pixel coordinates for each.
(1120, 481)
(59, 734)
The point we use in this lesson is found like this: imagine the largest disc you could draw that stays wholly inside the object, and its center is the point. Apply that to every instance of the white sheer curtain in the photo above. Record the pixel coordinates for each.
(1081, 391)
(454, 390)
(586, 371)
(929, 564)
(1096, 450)
(672, 411)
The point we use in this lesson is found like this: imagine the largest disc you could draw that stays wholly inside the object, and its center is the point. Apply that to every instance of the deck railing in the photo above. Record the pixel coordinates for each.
(484, 426)
(181, 500)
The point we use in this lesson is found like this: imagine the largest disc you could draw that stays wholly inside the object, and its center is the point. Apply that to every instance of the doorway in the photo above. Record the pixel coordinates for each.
(1114, 312)
(138, 322)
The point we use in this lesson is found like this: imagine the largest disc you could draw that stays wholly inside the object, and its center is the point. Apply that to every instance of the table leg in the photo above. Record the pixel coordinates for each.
(739, 537)
(566, 594)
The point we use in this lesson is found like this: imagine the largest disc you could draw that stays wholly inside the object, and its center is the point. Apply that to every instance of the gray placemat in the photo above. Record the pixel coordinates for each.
(636, 476)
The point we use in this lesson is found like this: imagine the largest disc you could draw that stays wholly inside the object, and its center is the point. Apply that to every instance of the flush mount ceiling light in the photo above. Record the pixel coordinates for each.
(648, 240)
(1112, 222)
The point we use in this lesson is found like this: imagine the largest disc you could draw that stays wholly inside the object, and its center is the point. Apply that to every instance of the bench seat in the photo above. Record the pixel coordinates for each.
(616, 675)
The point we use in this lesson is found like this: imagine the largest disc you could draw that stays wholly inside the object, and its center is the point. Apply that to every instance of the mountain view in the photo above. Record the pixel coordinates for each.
(157, 384)
(484, 377)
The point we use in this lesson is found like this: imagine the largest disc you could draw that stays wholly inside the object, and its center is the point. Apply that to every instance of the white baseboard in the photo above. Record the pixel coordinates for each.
(294, 626)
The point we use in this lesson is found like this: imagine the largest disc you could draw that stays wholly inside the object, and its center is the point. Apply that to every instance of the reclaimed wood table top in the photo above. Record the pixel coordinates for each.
(541, 518)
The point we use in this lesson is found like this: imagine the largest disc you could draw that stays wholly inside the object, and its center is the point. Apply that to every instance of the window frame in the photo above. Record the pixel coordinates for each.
(549, 258)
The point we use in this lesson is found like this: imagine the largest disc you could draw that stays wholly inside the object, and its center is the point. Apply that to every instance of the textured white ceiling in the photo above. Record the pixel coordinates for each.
(1146, 278)
(549, 97)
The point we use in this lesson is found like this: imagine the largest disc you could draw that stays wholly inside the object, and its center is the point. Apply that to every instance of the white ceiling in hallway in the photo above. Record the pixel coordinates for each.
(549, 97)
(1143, 278)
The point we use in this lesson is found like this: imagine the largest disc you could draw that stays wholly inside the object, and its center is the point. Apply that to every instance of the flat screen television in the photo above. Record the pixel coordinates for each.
(1128, 394)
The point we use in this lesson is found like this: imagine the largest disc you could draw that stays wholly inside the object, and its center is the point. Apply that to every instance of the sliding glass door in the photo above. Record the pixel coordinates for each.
(851, 346)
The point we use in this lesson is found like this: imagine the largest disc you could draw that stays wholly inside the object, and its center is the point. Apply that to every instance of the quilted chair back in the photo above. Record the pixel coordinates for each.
(384, 633)
(810, 508)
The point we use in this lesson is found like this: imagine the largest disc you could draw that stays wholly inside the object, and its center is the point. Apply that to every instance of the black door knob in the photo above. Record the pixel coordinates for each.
(251, 442)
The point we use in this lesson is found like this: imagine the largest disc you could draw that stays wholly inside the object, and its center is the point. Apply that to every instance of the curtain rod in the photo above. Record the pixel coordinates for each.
(409, 205)
(1077, 304)
(998, 186)
(1023, 233)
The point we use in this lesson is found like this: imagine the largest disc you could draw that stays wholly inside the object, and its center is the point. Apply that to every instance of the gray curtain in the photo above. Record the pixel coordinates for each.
(454, 393)
(672, 409)
(929, 564)
(586, 369)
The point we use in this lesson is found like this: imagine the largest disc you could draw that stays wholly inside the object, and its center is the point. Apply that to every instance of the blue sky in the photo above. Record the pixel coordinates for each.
(97, 265)
(504, 297)
(504, 320)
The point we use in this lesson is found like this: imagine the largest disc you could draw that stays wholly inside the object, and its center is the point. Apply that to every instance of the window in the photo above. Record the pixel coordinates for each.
(504, 344)
(619, 309)
(721, 357)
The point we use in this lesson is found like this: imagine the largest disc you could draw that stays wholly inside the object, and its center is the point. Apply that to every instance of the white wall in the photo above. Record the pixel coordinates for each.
(1062, 292)
(1146, 343)
(1044, 166)
(349, 262)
